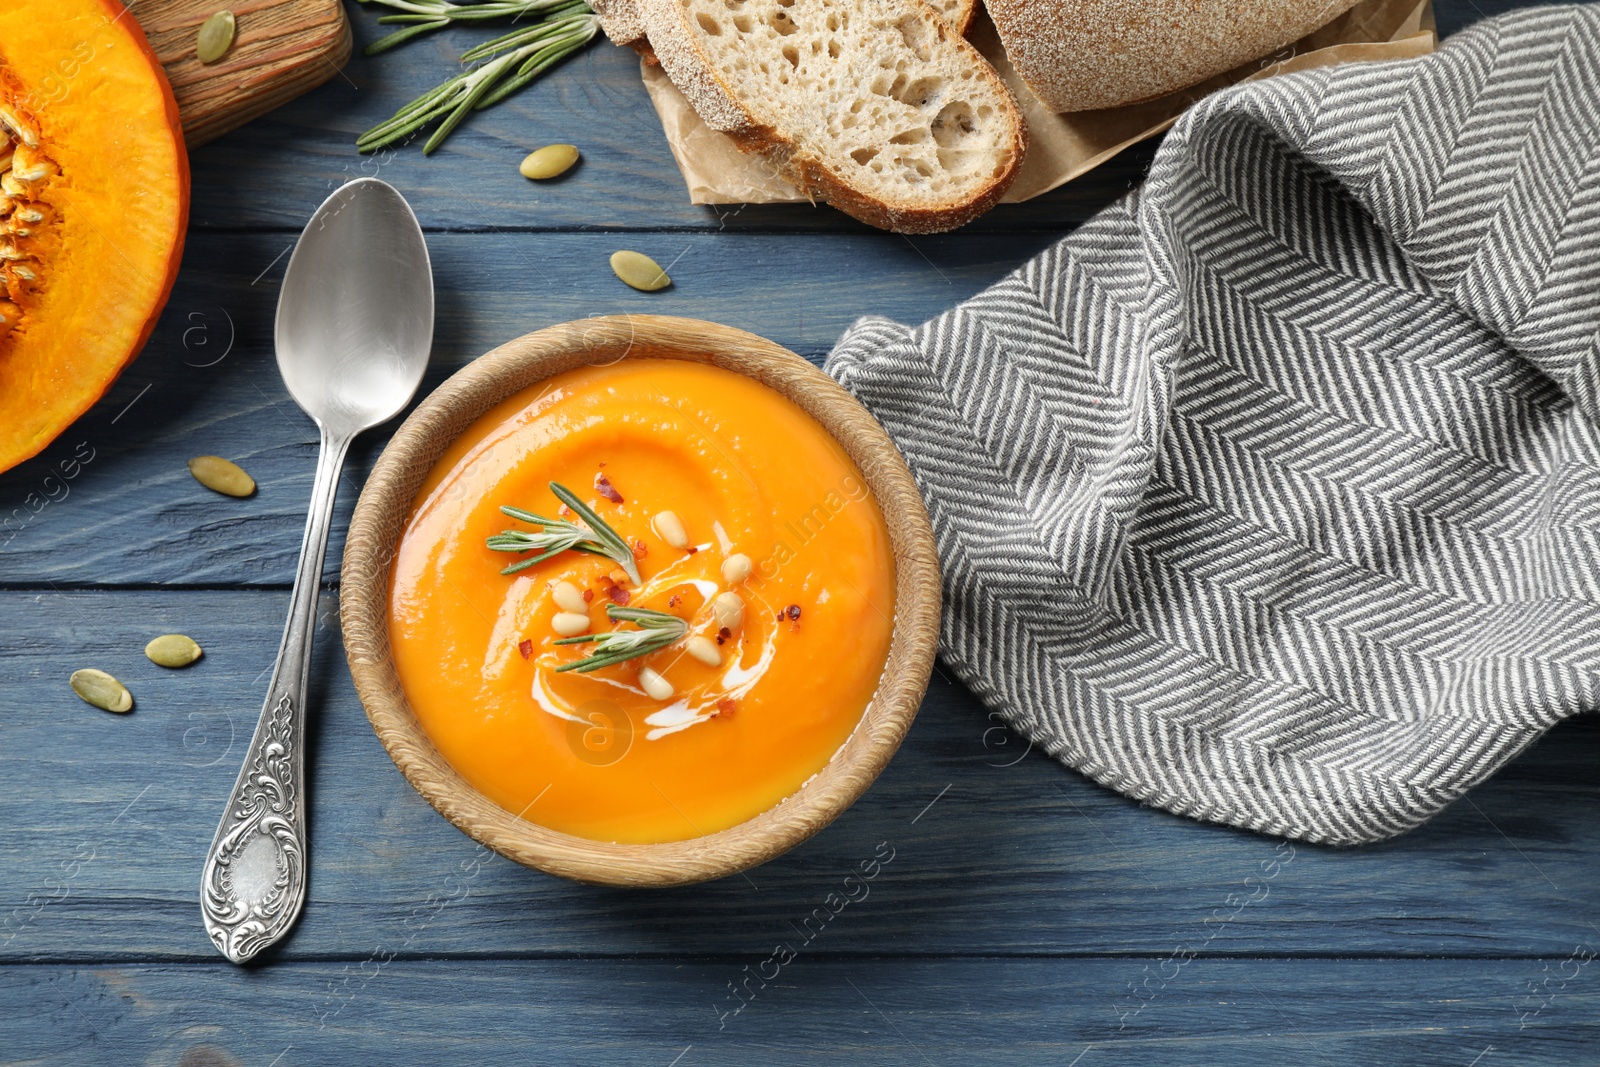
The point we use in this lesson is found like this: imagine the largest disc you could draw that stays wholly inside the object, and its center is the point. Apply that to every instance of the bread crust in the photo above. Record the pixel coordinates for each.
(1079, 55)
(681, 51)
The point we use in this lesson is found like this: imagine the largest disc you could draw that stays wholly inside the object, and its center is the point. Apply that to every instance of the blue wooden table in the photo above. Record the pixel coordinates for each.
(1026, 916)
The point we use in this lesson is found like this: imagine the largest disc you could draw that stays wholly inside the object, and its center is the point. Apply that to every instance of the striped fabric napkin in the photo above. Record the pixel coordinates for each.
(1271, 496)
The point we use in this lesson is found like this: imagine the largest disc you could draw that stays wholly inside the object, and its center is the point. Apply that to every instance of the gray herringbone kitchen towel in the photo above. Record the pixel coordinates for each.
(1272, 495)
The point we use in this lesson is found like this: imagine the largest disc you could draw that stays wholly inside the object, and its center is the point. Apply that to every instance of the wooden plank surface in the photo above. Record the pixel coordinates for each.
(191, 394)
(272, 173)
(1028, 916)
(1016, 856)
(872, 1013)
(281, 48)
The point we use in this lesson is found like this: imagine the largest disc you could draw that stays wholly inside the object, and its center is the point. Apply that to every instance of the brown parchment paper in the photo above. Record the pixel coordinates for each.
(1061, 147)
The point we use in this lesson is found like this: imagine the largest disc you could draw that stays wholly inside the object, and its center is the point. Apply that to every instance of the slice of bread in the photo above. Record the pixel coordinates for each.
(620, 19)
(875, 106)
(1077, 55)
(624, 25)
(957, 14)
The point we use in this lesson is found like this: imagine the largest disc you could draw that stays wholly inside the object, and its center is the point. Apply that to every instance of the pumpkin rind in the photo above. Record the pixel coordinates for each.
(90, 249)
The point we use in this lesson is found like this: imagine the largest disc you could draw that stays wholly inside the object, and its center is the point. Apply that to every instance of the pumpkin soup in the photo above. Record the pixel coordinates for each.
(642, 602)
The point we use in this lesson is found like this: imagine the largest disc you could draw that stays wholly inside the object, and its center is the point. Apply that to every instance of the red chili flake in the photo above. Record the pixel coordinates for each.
(526, 648)
(603, 486)
(640, 549)
(793, 611)
(723, 634)
(727, 707)
(564, 511)
(691, 550)
(672, 601)
(617, 594)
(602, 463)
(588, 595)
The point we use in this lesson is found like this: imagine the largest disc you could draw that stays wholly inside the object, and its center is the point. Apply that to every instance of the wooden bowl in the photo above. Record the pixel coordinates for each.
(385, 504)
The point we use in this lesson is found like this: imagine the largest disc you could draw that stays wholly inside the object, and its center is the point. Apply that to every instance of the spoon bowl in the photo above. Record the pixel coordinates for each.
(355, 315)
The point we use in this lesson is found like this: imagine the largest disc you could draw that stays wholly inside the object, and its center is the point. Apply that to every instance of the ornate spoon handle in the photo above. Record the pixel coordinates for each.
(255, 874)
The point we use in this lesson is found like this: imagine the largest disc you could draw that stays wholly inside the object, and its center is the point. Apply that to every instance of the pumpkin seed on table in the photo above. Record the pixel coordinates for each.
(639, 270)
(101, 690)
(221, 476)
(172, 651)
(216, 36)
(551, 161)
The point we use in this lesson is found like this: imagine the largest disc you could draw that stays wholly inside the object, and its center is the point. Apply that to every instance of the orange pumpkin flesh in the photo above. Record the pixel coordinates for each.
(94, 198)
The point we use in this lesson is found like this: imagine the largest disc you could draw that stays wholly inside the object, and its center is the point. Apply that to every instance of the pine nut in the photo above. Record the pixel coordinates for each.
(570, 623)
(736, 568)
(670, 527)
(705, 650)
(656, 686)
(569, 597)
(729, 609)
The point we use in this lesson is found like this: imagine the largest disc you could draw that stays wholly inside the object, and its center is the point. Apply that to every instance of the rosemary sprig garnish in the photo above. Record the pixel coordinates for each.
(558, 535)
(656, 631)
(517, 59)
(425, 16)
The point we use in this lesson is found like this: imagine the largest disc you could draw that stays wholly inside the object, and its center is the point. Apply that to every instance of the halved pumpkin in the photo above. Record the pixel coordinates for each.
(94, 198)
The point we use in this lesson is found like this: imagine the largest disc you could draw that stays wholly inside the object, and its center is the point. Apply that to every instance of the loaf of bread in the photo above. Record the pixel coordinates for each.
(875, 106)
(1077, 55)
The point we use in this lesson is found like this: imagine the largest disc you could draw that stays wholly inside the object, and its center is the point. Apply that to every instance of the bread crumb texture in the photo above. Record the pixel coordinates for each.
(624, 24)
(877, 106)
(957, 14)
(1087, 54)
(621, 20)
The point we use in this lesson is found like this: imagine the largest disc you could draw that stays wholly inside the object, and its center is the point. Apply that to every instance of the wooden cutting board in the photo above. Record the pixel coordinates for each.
(281, 49)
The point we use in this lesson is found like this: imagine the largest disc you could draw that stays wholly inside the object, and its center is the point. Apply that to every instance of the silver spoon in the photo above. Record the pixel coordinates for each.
(355, 323)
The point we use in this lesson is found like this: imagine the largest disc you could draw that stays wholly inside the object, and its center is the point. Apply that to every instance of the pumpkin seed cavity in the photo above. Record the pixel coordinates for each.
(172, 651)
(101, 690)
(216, 35)
(26, 216)
(639, 271)
(221, 476)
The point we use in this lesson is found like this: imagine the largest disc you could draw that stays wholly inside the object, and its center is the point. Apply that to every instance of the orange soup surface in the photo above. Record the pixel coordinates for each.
(596, 754)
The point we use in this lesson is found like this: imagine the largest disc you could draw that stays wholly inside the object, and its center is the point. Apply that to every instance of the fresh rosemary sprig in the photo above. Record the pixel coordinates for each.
(425, 16)
(656, 631)
(514, 60)
(558, 535)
